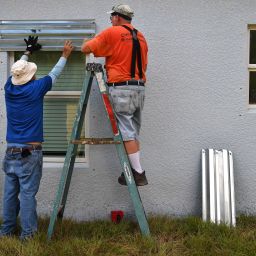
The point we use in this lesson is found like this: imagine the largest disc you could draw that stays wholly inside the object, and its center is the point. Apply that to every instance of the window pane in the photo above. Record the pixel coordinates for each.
(252, 46)
(59, 116)
(252, 91)
(72, 77)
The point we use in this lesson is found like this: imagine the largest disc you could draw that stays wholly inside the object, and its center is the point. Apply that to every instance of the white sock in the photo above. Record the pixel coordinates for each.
(135, 161)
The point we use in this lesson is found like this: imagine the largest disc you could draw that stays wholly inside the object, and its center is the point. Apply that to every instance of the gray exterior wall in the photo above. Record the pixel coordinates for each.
(197, 97)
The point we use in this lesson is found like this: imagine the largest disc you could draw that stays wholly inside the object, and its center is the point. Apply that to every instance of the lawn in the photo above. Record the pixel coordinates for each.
(169, 236)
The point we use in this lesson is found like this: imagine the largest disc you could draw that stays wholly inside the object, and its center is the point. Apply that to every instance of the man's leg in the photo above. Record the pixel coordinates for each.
(11, 204)
(29, 184)
(133, 151)
(131, 146)
(128, 104)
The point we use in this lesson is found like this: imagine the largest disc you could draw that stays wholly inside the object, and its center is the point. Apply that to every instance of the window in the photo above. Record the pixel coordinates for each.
(60, 104)
(252, 65)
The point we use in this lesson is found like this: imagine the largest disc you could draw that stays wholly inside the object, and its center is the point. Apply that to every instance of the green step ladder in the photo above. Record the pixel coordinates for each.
(95, 70)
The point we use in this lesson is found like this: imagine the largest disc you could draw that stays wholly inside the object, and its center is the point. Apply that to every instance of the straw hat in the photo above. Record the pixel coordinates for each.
(22, 71)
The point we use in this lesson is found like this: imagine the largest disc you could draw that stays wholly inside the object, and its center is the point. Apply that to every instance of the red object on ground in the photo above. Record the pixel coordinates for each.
(117, 216)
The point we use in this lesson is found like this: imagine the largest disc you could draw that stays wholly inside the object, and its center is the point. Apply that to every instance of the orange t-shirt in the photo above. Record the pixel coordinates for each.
(115, 43)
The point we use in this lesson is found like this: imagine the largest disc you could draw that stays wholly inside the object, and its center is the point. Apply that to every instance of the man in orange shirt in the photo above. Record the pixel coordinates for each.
(125, 50)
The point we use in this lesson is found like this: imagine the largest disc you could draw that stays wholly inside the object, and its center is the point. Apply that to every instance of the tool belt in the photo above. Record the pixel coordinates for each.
(132, 82)
(20, 150)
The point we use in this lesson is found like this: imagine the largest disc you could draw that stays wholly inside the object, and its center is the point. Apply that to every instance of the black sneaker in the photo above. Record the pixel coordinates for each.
(121, 180)
(139, 178)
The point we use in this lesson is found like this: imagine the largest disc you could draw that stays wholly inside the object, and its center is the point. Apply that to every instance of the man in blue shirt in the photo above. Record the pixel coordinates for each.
(22, 164)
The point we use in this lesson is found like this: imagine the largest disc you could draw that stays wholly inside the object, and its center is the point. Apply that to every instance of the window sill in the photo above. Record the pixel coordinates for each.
(59, 162)
(252, 109)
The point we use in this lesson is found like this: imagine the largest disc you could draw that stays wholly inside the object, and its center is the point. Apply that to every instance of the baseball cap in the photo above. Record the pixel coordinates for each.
(123, 9)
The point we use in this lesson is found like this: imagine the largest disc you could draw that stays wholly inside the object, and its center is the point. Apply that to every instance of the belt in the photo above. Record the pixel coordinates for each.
(20, 150)
(132, 82)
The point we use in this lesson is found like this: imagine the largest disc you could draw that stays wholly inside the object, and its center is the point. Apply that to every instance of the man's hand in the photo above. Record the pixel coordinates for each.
(32, 44)
(85, 49)
(68, 48)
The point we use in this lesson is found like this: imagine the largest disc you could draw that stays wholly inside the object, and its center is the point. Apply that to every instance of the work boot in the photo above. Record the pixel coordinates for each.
(139, 178)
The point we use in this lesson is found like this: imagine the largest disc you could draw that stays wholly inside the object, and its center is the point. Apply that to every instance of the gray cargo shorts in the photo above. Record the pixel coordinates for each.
(128, 102)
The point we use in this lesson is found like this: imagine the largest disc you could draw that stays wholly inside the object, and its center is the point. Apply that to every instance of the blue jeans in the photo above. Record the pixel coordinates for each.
(22, 179)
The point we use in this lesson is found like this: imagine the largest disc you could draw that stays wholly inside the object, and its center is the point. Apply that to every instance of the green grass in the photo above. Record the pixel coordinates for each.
(188, 236)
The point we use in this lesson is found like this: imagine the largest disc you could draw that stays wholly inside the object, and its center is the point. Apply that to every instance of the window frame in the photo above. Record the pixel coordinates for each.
(55, 162)
(251, 67)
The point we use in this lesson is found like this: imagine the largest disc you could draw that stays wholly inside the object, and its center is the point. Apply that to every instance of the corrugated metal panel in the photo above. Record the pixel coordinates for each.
(52, 34)
(218, 194)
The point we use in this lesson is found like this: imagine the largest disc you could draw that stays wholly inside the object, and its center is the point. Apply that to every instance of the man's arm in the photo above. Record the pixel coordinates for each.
(58, 68)
(100, 45)
(24, 57)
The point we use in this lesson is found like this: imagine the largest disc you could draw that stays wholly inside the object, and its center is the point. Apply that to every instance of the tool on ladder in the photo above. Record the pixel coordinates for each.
(95, 70)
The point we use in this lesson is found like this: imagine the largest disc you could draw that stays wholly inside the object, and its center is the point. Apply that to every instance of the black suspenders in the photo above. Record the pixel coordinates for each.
(136, 53)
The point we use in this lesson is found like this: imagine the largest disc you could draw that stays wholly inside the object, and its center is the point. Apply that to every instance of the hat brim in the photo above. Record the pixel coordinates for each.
(121, 14)
(109, 12)
(31, 70)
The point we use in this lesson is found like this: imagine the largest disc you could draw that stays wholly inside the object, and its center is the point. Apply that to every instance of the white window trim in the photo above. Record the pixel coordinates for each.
(56, 165)
(57, 162)
(63, 94)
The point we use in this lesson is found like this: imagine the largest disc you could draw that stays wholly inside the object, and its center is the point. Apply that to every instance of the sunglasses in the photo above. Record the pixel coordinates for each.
(113, 14)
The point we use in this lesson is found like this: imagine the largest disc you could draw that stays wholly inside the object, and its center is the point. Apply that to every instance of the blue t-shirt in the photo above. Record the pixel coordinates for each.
(24, 107)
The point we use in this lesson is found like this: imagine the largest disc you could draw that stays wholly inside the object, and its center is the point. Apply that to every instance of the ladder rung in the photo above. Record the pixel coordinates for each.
(95, 141)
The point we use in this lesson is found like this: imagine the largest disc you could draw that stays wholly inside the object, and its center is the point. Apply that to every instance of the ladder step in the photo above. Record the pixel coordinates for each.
(95, 141)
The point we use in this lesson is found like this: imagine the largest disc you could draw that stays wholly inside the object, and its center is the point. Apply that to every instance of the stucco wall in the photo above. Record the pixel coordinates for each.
(197, 94)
